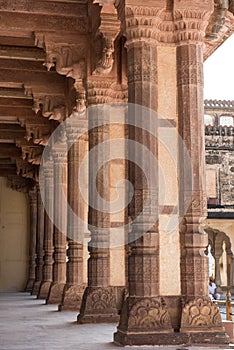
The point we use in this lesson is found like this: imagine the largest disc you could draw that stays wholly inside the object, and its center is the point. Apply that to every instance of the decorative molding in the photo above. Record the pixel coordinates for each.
(218, 104)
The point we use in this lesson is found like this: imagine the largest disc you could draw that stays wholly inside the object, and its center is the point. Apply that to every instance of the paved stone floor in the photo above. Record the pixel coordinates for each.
(28, 324)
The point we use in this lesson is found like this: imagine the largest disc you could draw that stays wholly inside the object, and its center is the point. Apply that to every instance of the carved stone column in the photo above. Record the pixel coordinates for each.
(194, 262)
(217, 270)
(48, 234)
(76, 125)
(99, 300)
(144, 317)
(39, 244)
(60, 219)
(33, 240)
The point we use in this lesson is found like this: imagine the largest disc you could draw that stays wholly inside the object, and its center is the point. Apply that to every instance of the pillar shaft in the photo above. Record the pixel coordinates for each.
(33, 240)
(194, 263)
(77, 144)
(48, 234)
(143, 316)
(192, 199)
(99, 292)
(39, 244)
(60, 219)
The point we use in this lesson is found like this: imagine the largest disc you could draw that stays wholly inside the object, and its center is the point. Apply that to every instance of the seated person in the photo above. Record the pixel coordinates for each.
(212, 290)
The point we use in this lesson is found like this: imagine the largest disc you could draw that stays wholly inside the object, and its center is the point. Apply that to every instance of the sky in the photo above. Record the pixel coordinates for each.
(219, 72)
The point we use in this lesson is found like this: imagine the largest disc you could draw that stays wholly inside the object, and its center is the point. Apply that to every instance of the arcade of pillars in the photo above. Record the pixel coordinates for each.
(155, 284)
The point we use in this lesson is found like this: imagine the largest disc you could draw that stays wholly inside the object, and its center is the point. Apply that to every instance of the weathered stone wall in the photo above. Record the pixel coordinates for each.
(13, 239)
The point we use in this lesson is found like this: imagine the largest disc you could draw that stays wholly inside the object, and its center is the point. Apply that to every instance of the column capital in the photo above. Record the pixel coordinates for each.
(191, 21)
(139, 22)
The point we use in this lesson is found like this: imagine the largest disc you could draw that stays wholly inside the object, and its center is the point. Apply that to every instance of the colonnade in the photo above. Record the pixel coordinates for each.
(164, 299)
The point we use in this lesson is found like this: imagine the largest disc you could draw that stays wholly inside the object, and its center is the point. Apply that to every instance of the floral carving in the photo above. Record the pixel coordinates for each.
(150, 314)
(201, 313)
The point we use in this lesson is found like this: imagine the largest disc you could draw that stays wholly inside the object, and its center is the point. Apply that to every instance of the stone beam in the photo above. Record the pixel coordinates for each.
(22, 53)
(76, 22)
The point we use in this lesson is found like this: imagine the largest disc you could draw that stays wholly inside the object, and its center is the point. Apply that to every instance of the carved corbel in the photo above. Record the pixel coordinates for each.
(51, 106)
(26, 170)
(39, 130)
(217, 19)
(107, 33)
(68, 56)
(80, 106)
(20, 184)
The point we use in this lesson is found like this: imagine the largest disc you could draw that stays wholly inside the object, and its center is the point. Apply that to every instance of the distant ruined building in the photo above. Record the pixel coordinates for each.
(219, 144)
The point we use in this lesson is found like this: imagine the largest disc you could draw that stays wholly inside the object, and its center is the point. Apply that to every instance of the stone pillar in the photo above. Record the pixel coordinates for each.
(194, 262)
(144, 318)
(39, 244)
(60, 221)
(33, 240)
(99, 300)
(76, 125)
(48, 234)
(232, 274)
(217, 270)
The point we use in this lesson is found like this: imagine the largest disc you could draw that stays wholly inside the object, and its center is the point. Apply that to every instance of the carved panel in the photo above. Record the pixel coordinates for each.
(200, 313)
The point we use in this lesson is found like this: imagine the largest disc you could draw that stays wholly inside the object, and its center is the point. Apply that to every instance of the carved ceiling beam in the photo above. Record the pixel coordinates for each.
(22, 53)
(9, 150)
(10, 132)
(37, 79)
(25, 16)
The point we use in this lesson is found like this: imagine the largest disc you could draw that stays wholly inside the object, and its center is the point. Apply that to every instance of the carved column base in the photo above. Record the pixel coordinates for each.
(145, 321)
(98, 306)
(36, 287)
(55, 293)
(44, 290)
(72, 297)
(202, 322)
(29, 286)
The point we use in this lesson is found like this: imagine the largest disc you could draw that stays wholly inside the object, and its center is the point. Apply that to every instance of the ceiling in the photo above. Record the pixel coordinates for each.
(28, 88)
